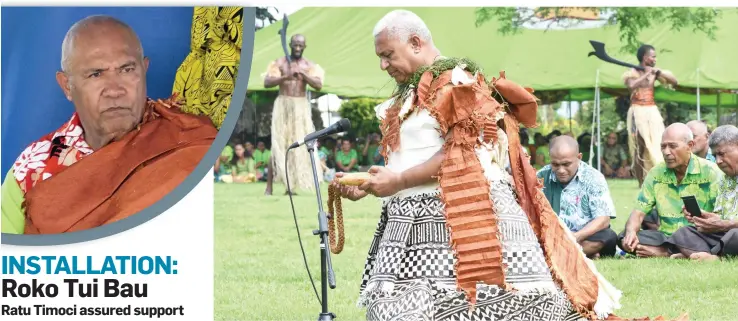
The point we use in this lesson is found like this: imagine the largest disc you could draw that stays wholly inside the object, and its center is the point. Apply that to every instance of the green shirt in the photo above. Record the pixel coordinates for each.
(244, 166)
(346, 159)
(660, 190)
(262, 157)
(13, 218)
(614, 155)
(370, 152)
(726, 203)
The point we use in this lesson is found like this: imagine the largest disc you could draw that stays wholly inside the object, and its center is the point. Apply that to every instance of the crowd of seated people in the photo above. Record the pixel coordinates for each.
(242, 163)
(700, 164)
(347, 154)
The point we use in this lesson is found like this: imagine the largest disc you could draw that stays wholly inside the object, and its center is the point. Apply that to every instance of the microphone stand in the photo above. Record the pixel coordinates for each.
(327, 276)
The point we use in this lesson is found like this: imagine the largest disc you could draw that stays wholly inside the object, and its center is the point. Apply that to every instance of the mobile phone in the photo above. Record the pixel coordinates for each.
(690, 203)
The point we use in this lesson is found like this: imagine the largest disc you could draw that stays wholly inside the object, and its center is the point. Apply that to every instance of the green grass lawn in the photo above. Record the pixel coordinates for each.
(260, 274)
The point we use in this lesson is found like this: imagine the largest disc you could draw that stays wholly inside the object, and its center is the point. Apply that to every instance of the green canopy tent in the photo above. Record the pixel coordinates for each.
(553, 62)
(340, 40)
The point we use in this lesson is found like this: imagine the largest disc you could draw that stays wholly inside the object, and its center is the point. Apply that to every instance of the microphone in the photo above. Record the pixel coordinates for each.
(339, 127)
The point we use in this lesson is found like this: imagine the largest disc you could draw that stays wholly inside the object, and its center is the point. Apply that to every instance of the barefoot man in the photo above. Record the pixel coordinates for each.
(682, 174)
(291, 116)
(645, 124)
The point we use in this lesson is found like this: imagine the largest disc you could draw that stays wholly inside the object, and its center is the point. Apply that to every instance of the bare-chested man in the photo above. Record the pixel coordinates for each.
(292, 117)
(645, 124)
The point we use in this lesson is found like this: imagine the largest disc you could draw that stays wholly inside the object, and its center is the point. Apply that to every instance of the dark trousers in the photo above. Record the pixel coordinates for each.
(608, 237)
(721, 244)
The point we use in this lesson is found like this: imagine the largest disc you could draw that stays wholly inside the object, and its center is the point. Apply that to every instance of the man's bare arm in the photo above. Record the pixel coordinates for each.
(270, 82)
(636, 83)
(423, 173)
(732, 224)
(314, 82)
(592, 227)
(669, 78)
(633, 225)
(273, 81)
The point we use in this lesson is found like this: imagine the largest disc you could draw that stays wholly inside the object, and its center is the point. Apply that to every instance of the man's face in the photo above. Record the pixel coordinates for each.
(649, 59)
(397, 58)
(297, 44)
(726, 157)
(249, 147)
(106, 80)
(260, 146)
(612, 139)
(700, 141)
(676, 151)
(565, 163)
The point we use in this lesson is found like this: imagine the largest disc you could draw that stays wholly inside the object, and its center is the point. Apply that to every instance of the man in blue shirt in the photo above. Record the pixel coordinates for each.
(580, 197)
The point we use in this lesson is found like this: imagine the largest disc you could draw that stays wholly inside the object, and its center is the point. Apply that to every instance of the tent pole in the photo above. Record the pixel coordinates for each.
(599, 115)
(592, 132)
(698, 95)
(718, 106)
(568, 104)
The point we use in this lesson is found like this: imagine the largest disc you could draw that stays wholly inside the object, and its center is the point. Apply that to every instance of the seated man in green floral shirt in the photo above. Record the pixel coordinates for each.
(716, 234)
(681, 174)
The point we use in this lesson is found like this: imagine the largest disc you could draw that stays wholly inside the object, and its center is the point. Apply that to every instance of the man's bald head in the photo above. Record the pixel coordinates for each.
(701, 135)
(698, 127)
(564, 144)
(297, 37)
(93, 26)
(678, 131)
(676, 146)
(565, 157)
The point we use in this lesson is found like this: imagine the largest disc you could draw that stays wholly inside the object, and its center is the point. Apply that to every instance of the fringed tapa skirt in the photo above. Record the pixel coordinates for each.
(292, 121)
(645, 128)
(410, 275)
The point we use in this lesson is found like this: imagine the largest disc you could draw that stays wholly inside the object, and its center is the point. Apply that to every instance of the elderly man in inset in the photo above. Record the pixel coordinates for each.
(715, 233)
(701, 135)
(580, 197)
(119, 153)
(681, 174)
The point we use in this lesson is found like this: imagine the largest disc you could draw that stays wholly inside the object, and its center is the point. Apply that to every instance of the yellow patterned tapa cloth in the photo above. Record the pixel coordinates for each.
(206, 78)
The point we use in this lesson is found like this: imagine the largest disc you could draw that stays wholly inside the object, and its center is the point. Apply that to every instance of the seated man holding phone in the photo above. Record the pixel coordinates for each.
(715, 234)
(681, 174)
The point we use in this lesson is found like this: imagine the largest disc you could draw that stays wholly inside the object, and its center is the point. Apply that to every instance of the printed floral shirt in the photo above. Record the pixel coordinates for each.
(726, 204)
(661, 190)
(585, 198)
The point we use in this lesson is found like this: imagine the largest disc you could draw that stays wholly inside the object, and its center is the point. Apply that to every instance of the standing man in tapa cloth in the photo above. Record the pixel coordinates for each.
(292, 117)
(645, 124)
(453, 242)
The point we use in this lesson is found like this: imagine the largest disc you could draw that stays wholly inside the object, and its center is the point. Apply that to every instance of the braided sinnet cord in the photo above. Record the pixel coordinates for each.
(335, 213)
